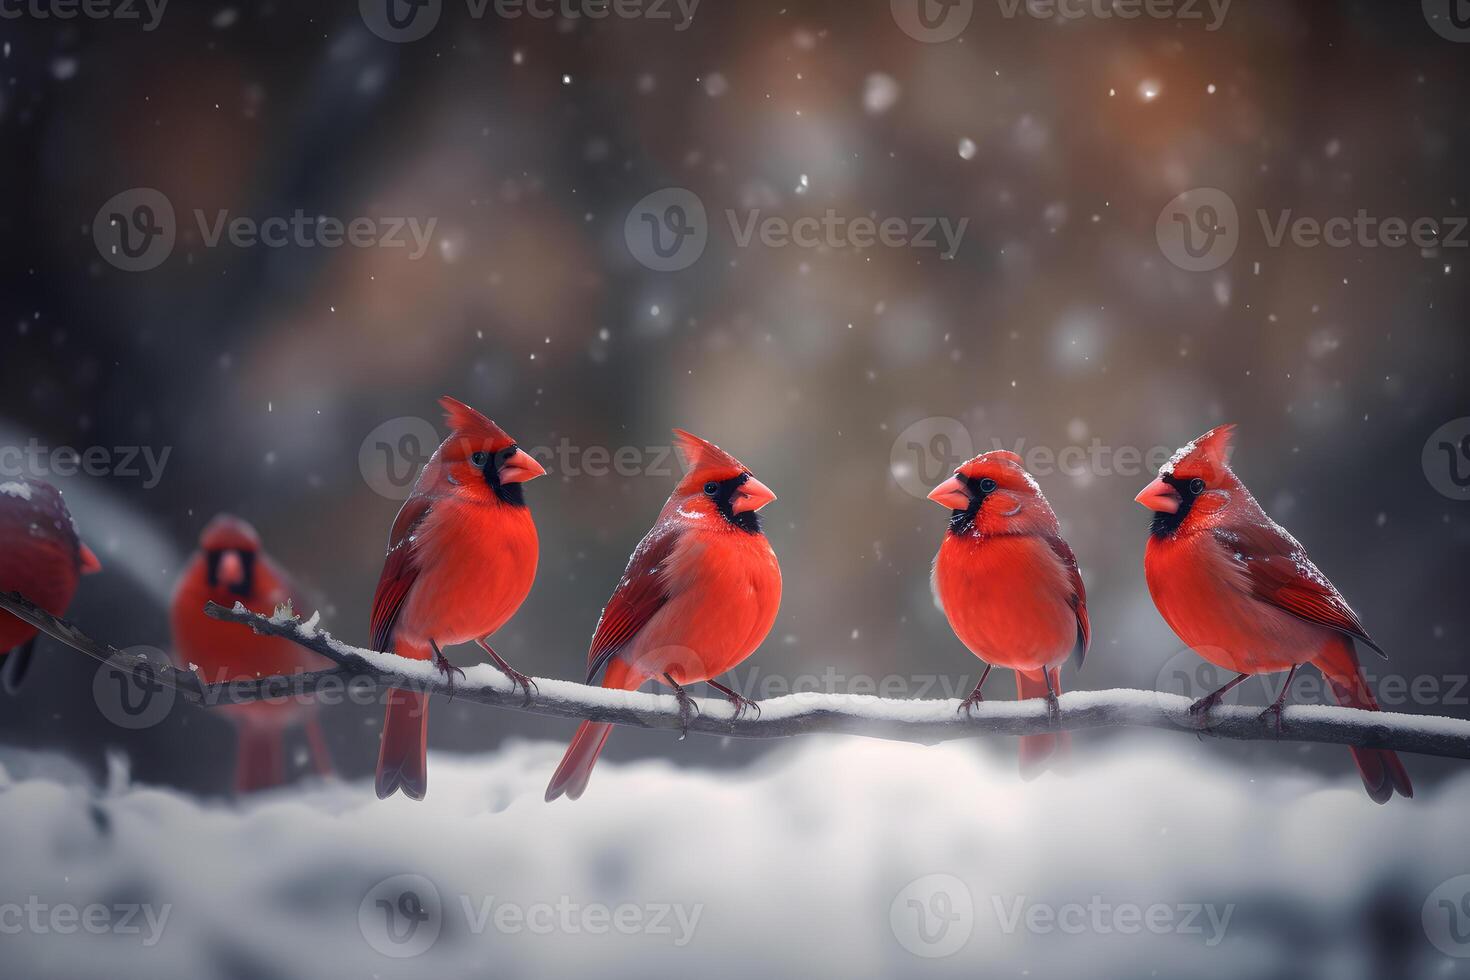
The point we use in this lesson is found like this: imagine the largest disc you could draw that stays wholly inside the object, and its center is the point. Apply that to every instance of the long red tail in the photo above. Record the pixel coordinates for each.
(260, 758)
(1038, 750)
(401, 754)
(1381, 769)
(576, 766)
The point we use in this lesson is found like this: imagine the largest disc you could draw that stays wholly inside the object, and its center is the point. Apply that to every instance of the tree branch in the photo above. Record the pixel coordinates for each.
(922, 721)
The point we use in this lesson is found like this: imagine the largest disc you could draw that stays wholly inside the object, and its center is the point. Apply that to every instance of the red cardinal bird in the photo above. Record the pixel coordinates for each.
(1244, 595)
(699, 595)
(461, 560)
(42, 559)
(230, 567)
(1009, 585)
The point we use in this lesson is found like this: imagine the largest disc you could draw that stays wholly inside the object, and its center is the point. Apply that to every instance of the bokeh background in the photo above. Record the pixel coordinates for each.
(844, 377)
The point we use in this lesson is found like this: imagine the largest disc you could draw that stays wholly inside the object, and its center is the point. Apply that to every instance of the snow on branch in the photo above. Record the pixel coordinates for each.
(922, 721)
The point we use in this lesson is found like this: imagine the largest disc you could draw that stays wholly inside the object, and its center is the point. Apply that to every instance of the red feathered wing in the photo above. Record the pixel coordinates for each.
(640, 594)
(1281, 574)
(400, 571)
(1079, 595)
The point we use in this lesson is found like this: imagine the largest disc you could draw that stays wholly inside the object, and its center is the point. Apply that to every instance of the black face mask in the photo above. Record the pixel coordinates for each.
(245, 588)
(723, 495)
(1164, 524)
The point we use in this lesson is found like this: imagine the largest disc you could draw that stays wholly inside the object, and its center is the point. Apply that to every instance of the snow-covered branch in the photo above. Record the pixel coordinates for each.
(923, 721)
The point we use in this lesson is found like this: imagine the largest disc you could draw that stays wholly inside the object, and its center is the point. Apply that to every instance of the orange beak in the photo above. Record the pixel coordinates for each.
(91, 564)
(951, 494)
(751, 495)
(1161, 497)
(231, 569)
(521, 466)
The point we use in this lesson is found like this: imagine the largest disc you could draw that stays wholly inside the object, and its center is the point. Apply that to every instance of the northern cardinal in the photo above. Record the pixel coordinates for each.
(230, 567)
(461, 560)
(42, 558)
(1010, 587)
(1241, 592)
(699, 595)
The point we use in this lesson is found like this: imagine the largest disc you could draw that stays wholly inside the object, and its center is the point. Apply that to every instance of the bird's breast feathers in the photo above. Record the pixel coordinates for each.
(476, 564)
(1009, 598)
(1202, 588)
(724, 591)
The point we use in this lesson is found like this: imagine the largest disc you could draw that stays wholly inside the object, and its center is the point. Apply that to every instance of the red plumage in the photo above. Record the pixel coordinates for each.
(1009, 585)
(1241, 591)
(461, 559)
(42, 558)
(229, 567)
(700, 594)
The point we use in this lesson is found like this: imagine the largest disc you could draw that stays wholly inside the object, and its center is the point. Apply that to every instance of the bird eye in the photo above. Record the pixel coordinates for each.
(711, 488)
(1196, 485)
(480, 459)
(987, 485)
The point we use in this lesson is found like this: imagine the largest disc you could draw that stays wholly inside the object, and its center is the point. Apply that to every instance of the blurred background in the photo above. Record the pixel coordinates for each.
(517, 160)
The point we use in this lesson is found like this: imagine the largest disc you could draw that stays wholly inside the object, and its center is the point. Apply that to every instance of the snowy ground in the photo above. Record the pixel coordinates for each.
(839, 857)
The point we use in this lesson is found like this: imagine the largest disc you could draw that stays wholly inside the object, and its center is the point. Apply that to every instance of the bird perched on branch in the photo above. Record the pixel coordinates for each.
(699, 595)
(42, 558)
(1010, 587)
(1242, 593)
(229, 567)
(461, 560)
